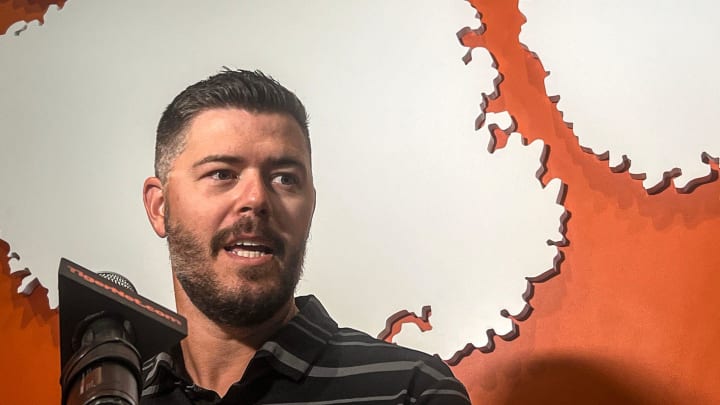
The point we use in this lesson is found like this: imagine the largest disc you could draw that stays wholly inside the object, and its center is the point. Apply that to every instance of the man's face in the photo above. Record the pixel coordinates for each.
(238, 203)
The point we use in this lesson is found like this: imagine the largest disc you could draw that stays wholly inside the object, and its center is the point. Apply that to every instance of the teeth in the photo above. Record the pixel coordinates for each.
(247, 253)
(247, 244)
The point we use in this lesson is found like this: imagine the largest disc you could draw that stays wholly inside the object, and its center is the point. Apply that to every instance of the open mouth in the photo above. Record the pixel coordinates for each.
(249, 249)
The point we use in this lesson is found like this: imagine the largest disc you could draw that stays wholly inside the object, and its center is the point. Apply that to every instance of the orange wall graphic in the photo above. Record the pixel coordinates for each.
(12, 11)
(631, 316)
(29, 341)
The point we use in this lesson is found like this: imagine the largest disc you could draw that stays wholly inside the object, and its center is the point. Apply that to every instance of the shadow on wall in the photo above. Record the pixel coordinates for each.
(568, 380)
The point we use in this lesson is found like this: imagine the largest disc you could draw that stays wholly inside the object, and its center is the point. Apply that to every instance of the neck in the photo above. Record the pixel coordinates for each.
(216, 356)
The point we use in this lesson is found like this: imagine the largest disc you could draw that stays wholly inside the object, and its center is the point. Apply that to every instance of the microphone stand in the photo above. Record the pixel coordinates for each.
(105, 369)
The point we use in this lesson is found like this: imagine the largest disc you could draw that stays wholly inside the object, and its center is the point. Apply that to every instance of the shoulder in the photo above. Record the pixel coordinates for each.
(353, 354)
(361, 366)
(347, 344)
(353, 341)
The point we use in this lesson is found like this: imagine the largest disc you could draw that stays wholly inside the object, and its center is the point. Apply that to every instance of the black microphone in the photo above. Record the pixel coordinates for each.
(106, 331)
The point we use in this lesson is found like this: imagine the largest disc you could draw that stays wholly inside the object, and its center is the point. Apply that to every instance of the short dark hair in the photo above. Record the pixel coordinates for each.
(252, 91)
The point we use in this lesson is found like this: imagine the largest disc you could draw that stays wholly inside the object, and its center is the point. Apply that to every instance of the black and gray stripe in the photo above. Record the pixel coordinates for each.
(312, 361)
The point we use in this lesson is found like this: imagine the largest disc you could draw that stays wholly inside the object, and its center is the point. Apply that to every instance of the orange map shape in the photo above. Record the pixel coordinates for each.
(29, 341)
(12, 11)
(631, 318)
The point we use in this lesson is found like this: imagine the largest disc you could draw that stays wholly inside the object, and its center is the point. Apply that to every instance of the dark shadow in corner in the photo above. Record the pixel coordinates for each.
(570, 380)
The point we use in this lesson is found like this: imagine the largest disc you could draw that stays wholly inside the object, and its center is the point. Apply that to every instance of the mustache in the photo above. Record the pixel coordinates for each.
(246, 225)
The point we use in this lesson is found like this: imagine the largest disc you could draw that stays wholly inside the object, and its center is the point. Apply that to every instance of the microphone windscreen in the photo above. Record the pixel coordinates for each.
(118, 279)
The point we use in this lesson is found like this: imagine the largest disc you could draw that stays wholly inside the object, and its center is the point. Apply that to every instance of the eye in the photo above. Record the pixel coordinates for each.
(222, 175)
(286, 179)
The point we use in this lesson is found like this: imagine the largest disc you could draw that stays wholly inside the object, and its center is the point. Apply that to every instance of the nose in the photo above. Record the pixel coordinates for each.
(253, 195)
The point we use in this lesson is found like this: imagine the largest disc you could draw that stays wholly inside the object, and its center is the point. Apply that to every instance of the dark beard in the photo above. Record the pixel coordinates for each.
(240, 306)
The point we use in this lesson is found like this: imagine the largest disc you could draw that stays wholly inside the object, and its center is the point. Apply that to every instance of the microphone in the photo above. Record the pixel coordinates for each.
(106, 331)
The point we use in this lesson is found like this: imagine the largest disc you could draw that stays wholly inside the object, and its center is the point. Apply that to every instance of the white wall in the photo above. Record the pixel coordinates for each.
(412, 209)
(635, 78)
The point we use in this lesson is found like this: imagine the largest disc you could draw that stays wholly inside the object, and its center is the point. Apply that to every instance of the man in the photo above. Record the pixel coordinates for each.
(233, 193)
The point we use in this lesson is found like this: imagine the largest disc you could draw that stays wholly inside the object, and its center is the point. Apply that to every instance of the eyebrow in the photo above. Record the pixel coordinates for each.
(218, 158)
(285, 162)
(234, 160)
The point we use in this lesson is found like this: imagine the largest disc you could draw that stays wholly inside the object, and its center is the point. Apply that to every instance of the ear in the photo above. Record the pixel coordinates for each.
(314, 203)
(154, 200)
(312, 213)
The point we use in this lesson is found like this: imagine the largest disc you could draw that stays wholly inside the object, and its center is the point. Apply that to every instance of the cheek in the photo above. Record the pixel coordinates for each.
(201, 215)
(300, 215)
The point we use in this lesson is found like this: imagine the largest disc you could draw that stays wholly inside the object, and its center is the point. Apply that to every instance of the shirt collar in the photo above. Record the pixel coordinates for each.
(291, 351)
(299, 343)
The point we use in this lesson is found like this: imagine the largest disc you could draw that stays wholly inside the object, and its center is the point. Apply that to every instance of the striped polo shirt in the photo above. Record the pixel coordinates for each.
(310, 360)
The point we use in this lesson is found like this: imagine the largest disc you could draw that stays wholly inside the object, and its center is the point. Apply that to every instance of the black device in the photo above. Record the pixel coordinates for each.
(106, 331)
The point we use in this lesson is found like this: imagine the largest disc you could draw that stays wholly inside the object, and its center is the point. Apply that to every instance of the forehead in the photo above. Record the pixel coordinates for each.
(238, 131)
